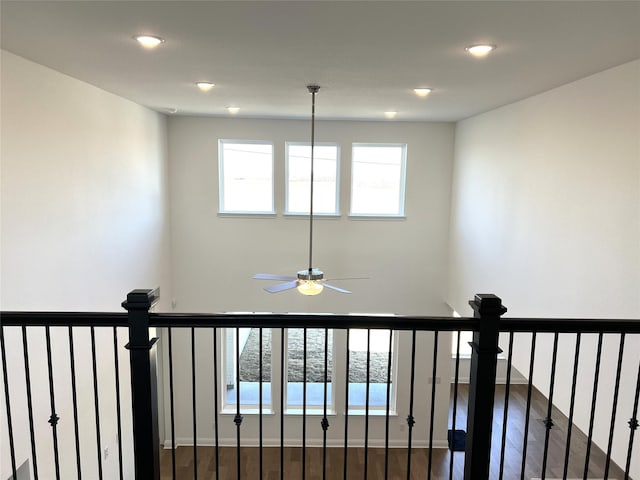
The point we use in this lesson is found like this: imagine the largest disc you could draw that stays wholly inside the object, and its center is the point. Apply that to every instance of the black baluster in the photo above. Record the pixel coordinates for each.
(366, 406)
(346, 412)
(325, 422)
(172, 406)
(216, 418)
(74, 398)
(410, 420)
(283, 380)
(548, 422)
(8, 403)
(614, 408)
(238, 418)
(95, 400)
(386, 427)
(193, 406)
(567, 451)
(528, 407)
(53, 419)
(594, 397)
(455, 405)
(27, 376)
(505, 414)
(433, 400)
(304, 404)
(260, 401)
(633, 425)
(117, 385)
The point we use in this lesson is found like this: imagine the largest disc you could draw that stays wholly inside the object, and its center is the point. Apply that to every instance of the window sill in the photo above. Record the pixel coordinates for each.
(305, 216)
(315, 411)
(353, 216)
(463, 356)
(247, 214)
(372, 413)
(246, 411)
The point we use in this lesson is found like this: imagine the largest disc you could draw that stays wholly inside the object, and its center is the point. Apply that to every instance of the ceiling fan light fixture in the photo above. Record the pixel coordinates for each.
(309, 287)
(309, 281)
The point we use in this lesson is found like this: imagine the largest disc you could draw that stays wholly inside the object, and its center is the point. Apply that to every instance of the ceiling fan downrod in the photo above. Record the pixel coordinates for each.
(313, 90)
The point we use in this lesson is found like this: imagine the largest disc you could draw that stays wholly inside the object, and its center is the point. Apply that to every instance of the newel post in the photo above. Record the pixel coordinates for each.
(482, 381)
(144, 391)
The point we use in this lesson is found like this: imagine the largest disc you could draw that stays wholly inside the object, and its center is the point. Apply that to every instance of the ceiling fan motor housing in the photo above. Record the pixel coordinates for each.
(310, 274)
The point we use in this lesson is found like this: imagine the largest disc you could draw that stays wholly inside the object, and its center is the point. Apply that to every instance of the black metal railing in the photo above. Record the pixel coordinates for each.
(491, 445)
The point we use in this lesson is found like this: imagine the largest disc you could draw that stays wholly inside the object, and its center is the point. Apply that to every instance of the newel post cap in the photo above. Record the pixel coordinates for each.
(488, 304)
(141, 299)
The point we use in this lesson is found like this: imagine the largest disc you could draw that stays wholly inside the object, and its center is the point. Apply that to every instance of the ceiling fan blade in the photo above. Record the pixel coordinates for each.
(337, 289)
(348, 278)
(270, 276)
(281, 287)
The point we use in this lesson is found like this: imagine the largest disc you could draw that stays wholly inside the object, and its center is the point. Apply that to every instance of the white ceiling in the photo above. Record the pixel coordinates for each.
(366, 55)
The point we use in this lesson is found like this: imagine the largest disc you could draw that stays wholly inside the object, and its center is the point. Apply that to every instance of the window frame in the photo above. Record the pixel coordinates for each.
(402, 186)
(221, 191)
(336, 213)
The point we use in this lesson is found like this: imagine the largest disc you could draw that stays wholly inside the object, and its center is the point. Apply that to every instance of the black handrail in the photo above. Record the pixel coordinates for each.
(570, 325)
(325, 320)
(64, 319)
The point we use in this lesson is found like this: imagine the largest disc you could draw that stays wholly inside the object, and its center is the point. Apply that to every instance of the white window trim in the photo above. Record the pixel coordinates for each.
(336, 213)
(221, 209)
(403, 181)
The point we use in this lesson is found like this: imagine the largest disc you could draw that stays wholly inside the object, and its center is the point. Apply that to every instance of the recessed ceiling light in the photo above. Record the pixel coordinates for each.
(233, 110)
(480, 50)
(205, 86)
(422, 92)
(148, 41)
(390, 114)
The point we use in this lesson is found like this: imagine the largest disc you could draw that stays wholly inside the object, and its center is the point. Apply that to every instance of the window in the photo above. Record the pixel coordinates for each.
(315, 373)
(378, 179)
(380, 344)
(241, 348)
(325, 178)
(246, 176)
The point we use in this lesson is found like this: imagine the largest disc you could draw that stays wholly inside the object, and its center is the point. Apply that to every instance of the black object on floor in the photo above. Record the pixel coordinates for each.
(456, 440)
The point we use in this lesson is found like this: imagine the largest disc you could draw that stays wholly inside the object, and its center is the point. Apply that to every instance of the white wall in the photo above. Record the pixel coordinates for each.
(214, 257)
(546, 214)
(84, 220)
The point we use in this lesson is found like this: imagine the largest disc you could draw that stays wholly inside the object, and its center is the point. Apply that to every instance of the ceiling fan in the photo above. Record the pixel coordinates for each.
(310, 281)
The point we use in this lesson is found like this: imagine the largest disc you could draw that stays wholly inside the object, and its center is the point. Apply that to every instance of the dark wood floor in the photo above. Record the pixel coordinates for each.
(419, 459)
